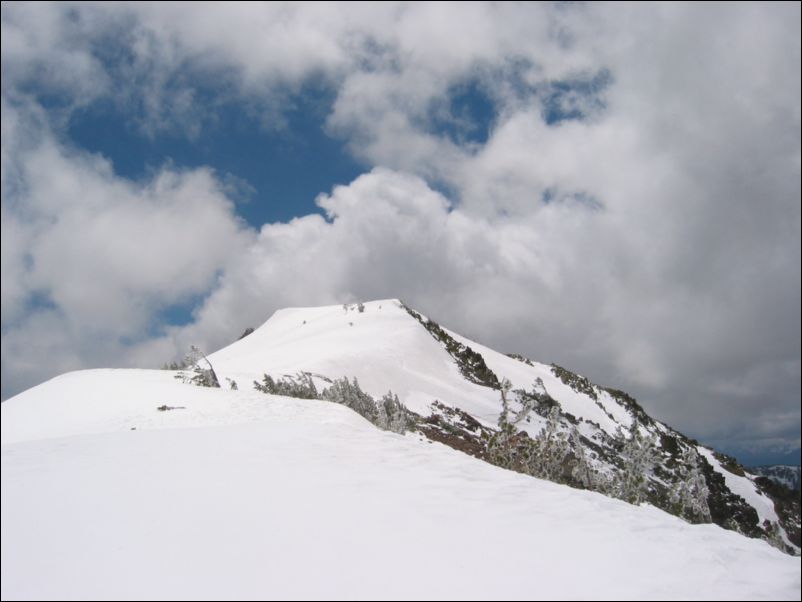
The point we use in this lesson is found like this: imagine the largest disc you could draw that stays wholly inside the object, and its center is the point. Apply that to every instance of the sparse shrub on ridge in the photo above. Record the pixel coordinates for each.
(200, 376)
(388, 414)
(300, 386)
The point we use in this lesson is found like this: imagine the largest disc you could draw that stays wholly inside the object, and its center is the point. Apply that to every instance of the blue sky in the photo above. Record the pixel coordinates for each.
(615, 191)
(280, 172)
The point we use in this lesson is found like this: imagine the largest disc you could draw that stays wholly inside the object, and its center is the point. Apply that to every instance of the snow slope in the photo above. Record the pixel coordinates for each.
(744, 487)
(238, 494)
(277, 498)
(607, 413)
(386, 348)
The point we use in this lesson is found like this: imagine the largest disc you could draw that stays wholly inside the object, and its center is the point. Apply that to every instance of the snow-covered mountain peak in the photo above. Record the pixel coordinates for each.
(388, 346)
(382, 345)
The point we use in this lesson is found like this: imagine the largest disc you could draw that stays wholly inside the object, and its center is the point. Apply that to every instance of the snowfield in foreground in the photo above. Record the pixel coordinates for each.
(246, 496)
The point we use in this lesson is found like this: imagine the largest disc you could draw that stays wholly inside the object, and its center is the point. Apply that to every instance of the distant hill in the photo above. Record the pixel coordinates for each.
(784, 474)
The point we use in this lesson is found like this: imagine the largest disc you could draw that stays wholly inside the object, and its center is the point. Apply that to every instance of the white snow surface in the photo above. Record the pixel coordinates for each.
(241, 495)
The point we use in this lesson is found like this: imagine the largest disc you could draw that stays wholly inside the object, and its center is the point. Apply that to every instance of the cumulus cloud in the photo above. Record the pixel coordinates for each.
(633, 213)
(89, 258)
(546, 284)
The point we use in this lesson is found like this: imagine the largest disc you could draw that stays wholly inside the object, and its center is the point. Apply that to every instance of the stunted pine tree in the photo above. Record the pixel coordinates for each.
(349, 394)
(203, 374)
(688, 497)
(639, 455)
(583, 472)
(549, 450)
(505, 447)
(301, 386)
(392, 415)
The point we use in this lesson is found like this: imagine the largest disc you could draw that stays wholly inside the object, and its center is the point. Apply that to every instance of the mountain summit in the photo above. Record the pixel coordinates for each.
(453, 385)
(110, 489)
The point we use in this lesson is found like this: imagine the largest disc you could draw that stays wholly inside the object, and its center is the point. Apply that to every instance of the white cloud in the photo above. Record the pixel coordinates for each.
(90, 259)
(391, 233)
(561, 283)
(45, 44)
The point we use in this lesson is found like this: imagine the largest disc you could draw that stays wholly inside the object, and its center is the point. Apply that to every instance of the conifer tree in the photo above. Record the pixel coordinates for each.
(392, 416)
(688, 496)
(639, 456)
(301, 386)
(549, 450)
(203, 374)
(583, 472)
(350, 394)
(505, 447)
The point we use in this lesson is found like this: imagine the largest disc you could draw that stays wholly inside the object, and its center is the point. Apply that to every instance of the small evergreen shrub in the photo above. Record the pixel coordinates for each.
(301, 386)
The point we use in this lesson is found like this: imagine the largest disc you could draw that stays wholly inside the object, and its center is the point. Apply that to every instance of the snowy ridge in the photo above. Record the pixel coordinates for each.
(247, 510)
(382, 346)
(608, 414)
(389, 346)
(386, 349)
(239, 494)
